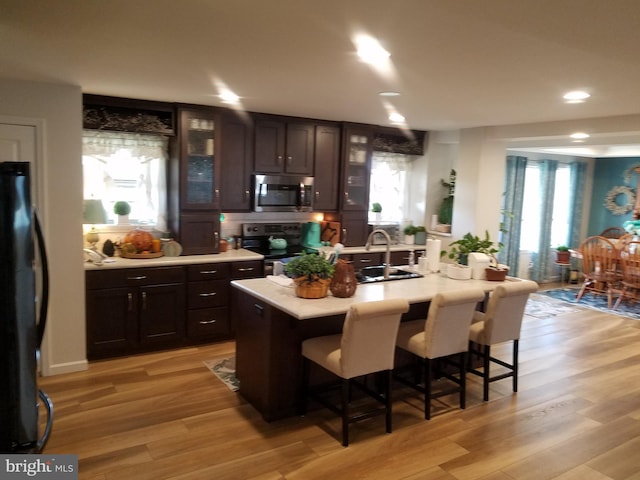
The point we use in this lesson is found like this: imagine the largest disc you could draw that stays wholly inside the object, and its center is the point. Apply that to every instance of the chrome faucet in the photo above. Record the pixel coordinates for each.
(387, 255)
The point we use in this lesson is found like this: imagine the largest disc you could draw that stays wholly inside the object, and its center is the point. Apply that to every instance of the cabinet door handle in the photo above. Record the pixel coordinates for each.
(289, 159)
(209, 272)
(317, 195)
(210, 294)
(365, 260)
(144, 300)
(207, 322)
(217, 193)
(130, 301)
(140, 277)
(246, 194)
(246, 269)
(279, 159)
(259, 309)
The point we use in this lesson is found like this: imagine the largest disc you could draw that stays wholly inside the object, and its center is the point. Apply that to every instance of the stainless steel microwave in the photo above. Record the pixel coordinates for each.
(282, 193)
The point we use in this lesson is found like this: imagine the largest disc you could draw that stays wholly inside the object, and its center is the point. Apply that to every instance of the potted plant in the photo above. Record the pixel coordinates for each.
(562, 254)
(469, 243)
(460, 249)
(445, 212)
(122, 209)
(496, 272)
(409, 234)
(377, 209)
(312, 275)
(420, 236)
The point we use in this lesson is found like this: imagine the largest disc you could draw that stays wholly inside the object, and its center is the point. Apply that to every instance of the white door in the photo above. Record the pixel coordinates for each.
(18, 144)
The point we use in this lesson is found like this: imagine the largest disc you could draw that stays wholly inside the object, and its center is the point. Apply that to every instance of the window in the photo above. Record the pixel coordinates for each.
(389, 186)
(127, 167)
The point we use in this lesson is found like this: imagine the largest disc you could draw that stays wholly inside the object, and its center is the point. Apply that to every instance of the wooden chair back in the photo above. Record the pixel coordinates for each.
(613, 232)
(598, 255)
(630, 263)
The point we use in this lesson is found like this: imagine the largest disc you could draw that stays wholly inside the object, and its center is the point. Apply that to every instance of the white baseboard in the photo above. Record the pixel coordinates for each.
(61, 368)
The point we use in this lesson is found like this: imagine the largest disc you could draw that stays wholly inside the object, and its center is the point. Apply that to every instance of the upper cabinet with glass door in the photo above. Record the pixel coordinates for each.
(199, 170)
(357, 166)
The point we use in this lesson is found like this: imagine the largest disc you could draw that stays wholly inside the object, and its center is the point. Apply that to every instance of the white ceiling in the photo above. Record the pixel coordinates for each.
(456, 63)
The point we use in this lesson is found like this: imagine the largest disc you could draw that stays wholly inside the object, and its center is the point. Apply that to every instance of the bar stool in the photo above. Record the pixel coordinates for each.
(500, 323)
(366, 346)
(444, 334)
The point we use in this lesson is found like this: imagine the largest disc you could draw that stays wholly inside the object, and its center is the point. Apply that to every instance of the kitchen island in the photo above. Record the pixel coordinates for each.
(272, 323)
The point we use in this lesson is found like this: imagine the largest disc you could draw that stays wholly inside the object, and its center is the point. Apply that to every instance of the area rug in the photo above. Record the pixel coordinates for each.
(541, 306)
(225, 370)
(596, 302)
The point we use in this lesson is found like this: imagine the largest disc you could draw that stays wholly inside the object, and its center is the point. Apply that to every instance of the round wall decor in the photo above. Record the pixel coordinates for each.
(622, 206)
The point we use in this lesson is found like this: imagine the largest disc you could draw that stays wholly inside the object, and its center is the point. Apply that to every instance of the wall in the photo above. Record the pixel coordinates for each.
(59, 109)
(609, 173)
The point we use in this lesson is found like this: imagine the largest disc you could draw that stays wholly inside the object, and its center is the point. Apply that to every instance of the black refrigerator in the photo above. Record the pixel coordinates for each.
(24, 288)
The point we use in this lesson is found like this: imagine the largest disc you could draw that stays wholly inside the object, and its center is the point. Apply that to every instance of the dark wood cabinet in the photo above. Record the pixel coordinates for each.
(200, 232)
(327, 168)
(235, 135)
(283, 146)
(132, 310)
(208, 316)
(199, 168)
(356, 167)
(194, 203)
(355, 228)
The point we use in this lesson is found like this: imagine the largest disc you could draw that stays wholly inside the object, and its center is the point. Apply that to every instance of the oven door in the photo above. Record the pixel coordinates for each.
(280, 193)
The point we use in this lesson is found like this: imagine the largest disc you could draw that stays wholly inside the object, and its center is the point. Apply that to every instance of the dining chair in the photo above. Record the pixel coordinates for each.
(613, 232)
(600, 267)
(501, 322)
(629, 288)
(366, 346)
(443, 336)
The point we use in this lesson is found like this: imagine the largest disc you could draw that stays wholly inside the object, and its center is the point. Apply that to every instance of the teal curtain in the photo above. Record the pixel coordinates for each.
(578, 181)
(512, 211)
(541, 260)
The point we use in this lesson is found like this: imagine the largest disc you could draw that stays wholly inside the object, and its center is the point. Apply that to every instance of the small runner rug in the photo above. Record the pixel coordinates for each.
(225, 370)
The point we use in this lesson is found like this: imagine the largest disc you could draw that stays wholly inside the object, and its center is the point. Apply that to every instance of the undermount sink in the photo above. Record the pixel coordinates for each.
(376, 274)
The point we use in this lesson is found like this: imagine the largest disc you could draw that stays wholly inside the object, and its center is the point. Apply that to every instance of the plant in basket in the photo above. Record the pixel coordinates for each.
(311, 273)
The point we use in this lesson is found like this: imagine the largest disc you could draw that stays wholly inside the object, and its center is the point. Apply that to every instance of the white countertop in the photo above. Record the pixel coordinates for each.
(229, 256)
(414, 290)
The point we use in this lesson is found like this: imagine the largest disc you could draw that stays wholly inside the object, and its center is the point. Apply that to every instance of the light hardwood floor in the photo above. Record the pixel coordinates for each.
(165, 416)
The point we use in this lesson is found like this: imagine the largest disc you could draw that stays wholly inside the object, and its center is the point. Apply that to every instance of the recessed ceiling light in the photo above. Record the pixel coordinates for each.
(576, 96)
(370, 51)
(389, 94)
(579, 135)
(395, 117)
(227, 96)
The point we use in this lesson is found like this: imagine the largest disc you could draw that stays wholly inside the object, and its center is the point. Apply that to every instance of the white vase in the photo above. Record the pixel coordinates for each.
(123, 219)
(409, 239)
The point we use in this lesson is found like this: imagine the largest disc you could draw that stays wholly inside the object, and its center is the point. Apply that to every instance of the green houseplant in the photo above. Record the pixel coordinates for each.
(420, 236)
(409, 234)
(460, 249)
(562, 254)
(311, 273)
(122, 209)
(445, 212)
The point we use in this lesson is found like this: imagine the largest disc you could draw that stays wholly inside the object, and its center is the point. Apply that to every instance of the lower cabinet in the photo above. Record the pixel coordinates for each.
(143, 309)
(132, 310)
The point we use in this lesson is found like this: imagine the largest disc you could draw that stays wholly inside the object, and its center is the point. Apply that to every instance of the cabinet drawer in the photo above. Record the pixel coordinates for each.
(208, 294)
(251, 269)
(208, 322)
(402, 257)
(208, 271)
(133, 277)
(366, 260)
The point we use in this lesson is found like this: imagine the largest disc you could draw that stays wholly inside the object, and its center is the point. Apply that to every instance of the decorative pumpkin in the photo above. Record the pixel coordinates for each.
(140, 239)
